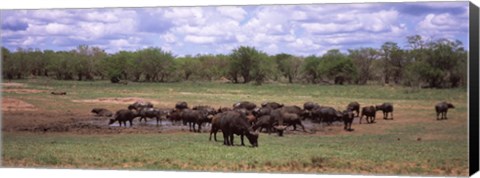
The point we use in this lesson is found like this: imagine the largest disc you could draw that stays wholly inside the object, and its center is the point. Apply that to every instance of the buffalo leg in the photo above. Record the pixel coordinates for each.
(241, 138)
(231, 139)
(199, 127)
(225, 138)
(438, 114)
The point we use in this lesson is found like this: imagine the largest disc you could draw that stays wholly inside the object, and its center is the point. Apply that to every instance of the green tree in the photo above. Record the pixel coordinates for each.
(245, 60)
(155, 63)
(288, 65)
(337, 66)
(310, 69)
(363, 61)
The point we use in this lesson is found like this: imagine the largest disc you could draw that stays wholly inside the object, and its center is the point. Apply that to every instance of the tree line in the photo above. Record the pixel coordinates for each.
(440, 63)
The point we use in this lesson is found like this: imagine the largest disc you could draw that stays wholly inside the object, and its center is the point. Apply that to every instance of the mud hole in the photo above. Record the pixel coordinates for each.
(10, 104)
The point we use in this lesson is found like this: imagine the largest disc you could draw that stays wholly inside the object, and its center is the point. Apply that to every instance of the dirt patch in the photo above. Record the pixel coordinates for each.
(13, 85)
(23, 91)
(10, 104)
(128, 100)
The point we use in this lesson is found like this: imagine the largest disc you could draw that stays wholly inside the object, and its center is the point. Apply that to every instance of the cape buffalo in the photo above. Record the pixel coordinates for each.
(310, 106)
(102, 112)
(442, 108)
(122, 116)
(265, 121)
(245, 105)
(233, 122)
(272, 105)
(385, 108)
(192, 117)
(326, 115)
(348, 119)
(156, 113)
(215, 125)
(138, 105)
(369, 112)
(354, 106)
(210, 110)
(181, 105)
(283, 119)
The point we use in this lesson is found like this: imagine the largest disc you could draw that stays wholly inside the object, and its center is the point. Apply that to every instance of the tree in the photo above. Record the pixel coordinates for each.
(188, 65)
(155, 63)
(288, 65)
(310, 69)
(363, 59)
(245, 60)
(394, 62)
(337, 66)
(441, 63)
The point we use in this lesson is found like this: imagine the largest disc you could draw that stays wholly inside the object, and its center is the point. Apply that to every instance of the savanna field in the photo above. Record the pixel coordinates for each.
(58, 131)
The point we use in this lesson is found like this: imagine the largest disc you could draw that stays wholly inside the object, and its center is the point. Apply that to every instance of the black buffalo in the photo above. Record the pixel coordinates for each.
(224, 109)
(309, 106)
(194, 117)
(245, 105)
(234, 122)
(385, 108)
(138, 105)
(272, 105)
(210, 110)
(326, 115)
(215, 125)
(181, 105)
(348, 119)
(354, 106)
(369, 112)
(102, 112)
(122, 116)
(156, 113)
(287, 116)
(265, 121)
(442, 109)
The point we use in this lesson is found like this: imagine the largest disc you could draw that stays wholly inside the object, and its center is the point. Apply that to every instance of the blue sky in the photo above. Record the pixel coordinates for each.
(295, 29)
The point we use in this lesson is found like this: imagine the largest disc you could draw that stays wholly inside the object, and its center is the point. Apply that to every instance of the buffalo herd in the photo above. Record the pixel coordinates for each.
(246, 119)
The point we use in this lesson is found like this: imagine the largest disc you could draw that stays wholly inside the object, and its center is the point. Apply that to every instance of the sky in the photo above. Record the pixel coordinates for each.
(295, 29)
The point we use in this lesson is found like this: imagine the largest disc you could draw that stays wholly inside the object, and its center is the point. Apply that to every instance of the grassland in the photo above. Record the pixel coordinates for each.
(414, 143)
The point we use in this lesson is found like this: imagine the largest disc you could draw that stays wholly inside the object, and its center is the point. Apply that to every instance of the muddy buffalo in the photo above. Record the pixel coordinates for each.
(369, 112)
(194, 117)
(385, 108)
(442, 109)
(245, 105)
(215, 125)
(272, 105)
(234, 122)
(138, 105)
(354, 106)
(102, 112)
(347, 117)
(181, 105)
(265, 121)
(122, 116)
(326, 115)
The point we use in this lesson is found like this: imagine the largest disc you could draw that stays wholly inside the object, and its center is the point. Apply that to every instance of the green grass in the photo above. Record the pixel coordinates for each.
(393, 149)
(293, 153)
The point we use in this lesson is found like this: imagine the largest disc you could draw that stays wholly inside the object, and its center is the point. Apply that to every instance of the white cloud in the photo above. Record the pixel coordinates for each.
(199, 39)
(236, 13)
(445, 25)
(56, 28)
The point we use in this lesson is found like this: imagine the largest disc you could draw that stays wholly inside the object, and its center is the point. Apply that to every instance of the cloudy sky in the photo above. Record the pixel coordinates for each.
(295, 29)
